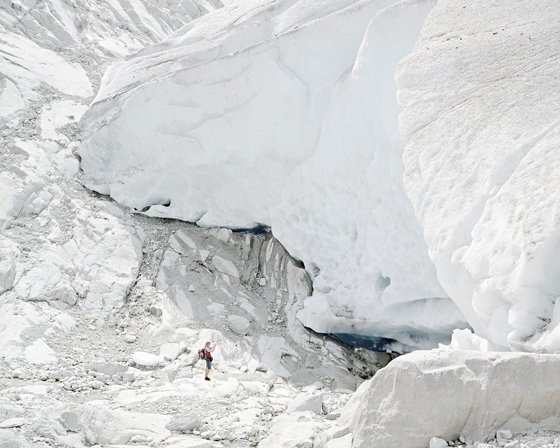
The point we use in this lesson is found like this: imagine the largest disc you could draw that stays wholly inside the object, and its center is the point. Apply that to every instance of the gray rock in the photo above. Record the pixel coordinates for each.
(225, 266)
(306, 402)
(504, 434)
(48, 429)
(438, 443)
(71, 419)
(170, 351)
(129, 338)
(6, 434)
(18, 442)
(333, 416)
(128, 377)
(238, 324)
(15, 422)
(108, 369)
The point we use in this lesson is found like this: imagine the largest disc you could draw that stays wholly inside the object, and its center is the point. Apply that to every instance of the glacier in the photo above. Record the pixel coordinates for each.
(423, 171)
(102, 309)
(206, 127)
(479, 100)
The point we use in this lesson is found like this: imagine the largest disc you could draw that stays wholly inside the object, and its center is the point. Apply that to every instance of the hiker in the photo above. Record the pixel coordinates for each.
(208, 349)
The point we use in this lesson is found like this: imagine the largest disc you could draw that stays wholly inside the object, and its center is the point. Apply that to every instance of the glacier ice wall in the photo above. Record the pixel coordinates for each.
(282, 113)
(480, 123)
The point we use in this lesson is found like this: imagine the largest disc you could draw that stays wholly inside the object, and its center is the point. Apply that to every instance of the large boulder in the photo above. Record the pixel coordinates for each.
(184, 422)
(103, 426)
(453, 393)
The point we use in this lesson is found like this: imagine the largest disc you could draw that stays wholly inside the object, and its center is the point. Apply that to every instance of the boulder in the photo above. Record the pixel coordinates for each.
(101, 426)
(307, 402)
(170, 351)
(129, 338)
(454, 393)
(289, 431)
(146, 359)
(108, 369)
(6, 434)
(184, 422)
(15, 422)
(238, 324)
(17, 442)
(438, 443)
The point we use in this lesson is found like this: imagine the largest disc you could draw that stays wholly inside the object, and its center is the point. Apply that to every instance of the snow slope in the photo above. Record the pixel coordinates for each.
(53, 43)
(480, 100)
(207, 127)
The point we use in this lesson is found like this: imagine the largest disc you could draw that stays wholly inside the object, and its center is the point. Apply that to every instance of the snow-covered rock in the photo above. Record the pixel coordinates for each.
(312, 402)
(436, 442)
(454, 393)
(15, 422)
(169, 351)
(238, 324)
(102, 426)
(480, 100)
(184, 422)
(146, 359)
(26, 64)
(289, 431)
(40, 353)
(101, 30)
(331, 190)
(108, 369)
(8, 254)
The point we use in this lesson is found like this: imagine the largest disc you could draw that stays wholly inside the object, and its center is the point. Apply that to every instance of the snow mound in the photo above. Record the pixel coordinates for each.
(452, 394)
(480, 100)
(207, 127)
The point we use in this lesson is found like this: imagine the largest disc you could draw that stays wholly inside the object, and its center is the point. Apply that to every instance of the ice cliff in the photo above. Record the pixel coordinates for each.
(480, 110)
(283, 114)
(306, 118)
